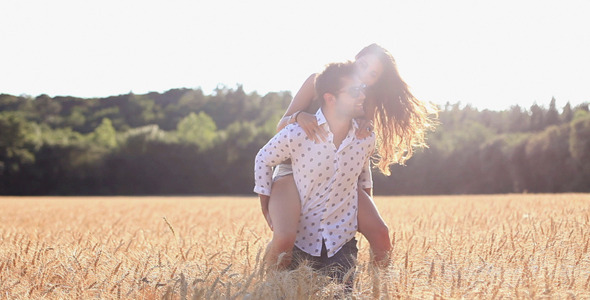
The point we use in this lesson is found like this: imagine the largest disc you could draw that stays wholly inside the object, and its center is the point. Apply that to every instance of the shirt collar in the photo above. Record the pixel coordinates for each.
(322, 119)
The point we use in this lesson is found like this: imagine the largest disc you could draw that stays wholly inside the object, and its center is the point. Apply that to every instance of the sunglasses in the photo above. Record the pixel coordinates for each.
(355, 91)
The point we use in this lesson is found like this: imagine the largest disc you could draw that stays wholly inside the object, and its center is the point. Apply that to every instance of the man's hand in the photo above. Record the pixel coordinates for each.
(264, 205)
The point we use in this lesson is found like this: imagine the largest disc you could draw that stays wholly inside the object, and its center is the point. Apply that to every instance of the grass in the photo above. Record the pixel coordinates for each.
(492, 246)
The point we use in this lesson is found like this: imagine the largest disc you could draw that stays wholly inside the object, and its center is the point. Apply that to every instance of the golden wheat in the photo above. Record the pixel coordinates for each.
(509, 246)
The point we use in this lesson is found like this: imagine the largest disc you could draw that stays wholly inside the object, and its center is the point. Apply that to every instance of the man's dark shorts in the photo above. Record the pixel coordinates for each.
(336, 266)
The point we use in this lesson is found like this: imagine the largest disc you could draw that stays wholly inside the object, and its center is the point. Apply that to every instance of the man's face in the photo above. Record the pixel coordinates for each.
(350, 98)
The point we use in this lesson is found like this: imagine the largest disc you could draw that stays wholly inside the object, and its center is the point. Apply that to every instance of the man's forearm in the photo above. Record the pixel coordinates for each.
(270, 155)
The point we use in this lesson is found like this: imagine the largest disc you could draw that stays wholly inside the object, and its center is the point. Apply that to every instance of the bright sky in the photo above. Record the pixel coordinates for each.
(491, 54)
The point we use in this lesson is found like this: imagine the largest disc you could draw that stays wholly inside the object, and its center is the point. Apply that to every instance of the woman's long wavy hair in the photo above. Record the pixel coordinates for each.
(401, 120)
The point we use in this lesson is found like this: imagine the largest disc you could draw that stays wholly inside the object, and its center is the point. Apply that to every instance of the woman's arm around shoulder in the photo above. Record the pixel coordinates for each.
(296, 112)
(300, 102)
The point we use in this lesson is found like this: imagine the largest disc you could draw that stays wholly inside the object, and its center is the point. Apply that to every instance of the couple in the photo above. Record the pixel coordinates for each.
(320, 192)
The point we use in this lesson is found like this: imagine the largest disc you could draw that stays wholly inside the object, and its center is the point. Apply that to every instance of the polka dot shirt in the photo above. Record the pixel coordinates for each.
(327, 180)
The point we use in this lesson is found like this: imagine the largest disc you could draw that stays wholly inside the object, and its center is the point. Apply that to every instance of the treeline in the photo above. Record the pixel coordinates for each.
(541, 150)
(185, 142)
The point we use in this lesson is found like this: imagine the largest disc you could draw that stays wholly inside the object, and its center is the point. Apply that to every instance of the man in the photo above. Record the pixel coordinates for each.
(326, 173)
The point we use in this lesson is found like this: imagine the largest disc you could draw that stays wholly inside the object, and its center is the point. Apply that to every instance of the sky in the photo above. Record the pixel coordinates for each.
(488, 54)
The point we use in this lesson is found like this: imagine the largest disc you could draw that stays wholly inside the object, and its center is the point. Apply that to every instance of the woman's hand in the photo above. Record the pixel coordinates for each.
(264, 205)
(365, 128)
(268, 220)
(309, 124)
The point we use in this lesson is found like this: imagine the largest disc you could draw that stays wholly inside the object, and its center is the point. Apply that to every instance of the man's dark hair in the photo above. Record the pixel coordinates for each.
(330, 80)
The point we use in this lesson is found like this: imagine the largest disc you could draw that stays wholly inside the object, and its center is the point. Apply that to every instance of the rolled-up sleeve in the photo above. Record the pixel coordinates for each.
(272, 154)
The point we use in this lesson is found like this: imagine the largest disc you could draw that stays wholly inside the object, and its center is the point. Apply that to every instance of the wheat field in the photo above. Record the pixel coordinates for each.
(445, 247)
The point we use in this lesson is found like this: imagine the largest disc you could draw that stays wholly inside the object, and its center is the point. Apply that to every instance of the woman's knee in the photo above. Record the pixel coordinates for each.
(283, 241)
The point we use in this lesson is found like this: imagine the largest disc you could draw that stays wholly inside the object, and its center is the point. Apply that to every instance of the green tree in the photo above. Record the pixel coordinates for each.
(140, 110)
(501, 176)
(11, 103)
(76, 119)
(198, 129)
(537, 122)
(15, 147)
(105, 134)
(48, 110)
(235, 154)
(579, 147)
(568, 114)
(552, 115)
(517, 119)
(178, 108)
(580, 112)
(549, 161)
(16, 134)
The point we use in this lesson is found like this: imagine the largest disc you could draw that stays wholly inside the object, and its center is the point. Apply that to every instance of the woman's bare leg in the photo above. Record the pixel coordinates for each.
(372, 226)
(284, 209)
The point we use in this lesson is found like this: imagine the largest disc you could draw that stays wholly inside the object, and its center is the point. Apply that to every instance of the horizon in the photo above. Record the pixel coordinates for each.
(440, 105)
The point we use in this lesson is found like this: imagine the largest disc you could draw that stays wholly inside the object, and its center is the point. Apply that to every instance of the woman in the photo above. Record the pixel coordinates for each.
(400, 121)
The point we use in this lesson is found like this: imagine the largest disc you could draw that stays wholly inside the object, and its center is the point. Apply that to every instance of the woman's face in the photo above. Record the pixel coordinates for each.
(369, 68)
